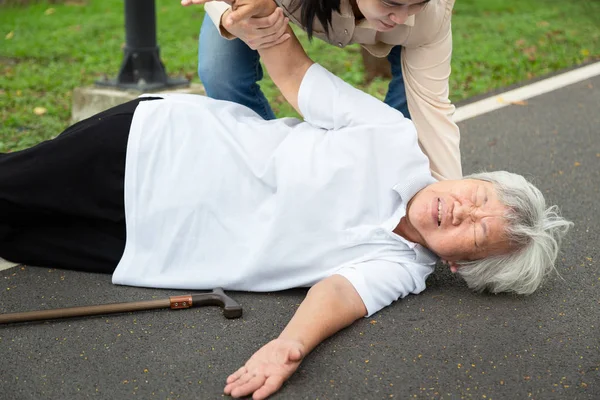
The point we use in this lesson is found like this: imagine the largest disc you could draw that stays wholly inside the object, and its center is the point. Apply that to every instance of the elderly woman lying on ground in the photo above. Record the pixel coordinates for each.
(181, 191)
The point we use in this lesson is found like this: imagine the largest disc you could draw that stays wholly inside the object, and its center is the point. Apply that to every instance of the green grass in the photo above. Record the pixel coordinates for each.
(48, 49)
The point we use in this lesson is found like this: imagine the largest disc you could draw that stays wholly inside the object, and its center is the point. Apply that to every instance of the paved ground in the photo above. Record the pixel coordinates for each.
(445, 343)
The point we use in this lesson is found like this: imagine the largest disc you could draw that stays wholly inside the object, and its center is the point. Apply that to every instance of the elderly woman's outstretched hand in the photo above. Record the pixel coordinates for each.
(266, 370)
(259, 23)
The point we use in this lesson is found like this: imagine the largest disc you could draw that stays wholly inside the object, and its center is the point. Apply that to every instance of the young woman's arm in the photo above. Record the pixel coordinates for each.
(329, 306)
(426, 71)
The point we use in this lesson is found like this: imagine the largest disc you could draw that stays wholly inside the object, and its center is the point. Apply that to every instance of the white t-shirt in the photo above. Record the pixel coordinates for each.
(215, 196)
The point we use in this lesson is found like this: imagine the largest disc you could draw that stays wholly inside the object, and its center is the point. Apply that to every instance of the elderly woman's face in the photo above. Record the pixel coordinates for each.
(459, 220)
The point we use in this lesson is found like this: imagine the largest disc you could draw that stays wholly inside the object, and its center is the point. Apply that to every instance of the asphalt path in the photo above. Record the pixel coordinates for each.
(446, 343)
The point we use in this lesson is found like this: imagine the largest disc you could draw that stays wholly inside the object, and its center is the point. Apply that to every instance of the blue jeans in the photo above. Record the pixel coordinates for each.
(230, 70)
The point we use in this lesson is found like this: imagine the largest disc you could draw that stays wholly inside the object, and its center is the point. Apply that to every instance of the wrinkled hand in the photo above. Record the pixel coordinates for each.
(266, 370)
(257, 32)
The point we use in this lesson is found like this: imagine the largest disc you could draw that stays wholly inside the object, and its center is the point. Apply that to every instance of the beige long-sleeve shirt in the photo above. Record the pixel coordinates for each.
(427, 51)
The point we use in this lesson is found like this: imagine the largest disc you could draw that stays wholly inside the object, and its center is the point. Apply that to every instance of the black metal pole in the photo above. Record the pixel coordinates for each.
(142, 68)
(140, 24)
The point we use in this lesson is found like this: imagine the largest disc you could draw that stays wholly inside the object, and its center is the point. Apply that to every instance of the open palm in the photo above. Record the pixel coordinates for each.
(266, 370)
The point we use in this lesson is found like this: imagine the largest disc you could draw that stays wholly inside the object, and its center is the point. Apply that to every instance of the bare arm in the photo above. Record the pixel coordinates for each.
(287, 64)
(329, 306)
(286, 61)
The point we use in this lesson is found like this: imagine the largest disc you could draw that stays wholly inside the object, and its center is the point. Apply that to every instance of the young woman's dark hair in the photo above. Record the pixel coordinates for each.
(322, 9)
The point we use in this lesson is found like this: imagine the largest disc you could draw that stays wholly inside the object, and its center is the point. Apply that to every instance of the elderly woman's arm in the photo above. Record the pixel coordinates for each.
(329, 306)
(285, 59)
(287, 64)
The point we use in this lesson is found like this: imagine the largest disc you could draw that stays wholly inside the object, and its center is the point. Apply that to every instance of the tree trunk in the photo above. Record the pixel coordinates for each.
(375, 67)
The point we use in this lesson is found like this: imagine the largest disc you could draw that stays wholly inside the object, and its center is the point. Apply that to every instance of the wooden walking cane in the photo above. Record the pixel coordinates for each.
(231, 309)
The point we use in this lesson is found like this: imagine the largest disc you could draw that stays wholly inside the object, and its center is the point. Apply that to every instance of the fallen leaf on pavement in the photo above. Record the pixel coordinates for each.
(501, 100)
(39, 111)
(519, 102)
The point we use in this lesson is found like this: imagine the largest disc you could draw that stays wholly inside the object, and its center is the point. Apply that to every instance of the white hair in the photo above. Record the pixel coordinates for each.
(534, 231)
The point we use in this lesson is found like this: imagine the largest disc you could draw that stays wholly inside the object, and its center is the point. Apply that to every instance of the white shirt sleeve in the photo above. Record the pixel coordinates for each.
(379, 283)
(330, 103)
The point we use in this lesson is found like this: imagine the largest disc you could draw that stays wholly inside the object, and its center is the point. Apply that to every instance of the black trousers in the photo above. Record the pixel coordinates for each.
(62, 201)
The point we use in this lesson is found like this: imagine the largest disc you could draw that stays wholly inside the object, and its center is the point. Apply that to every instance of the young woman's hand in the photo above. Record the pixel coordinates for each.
(266, 370)
(190, 2)
(256, 32)
(259, 23)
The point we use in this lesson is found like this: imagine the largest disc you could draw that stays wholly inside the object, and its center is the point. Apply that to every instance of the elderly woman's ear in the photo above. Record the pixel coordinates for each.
(454, 267)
